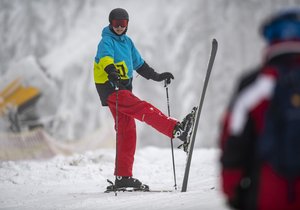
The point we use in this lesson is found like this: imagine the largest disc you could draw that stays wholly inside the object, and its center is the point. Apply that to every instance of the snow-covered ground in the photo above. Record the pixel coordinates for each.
(54, 48)
(78, 182)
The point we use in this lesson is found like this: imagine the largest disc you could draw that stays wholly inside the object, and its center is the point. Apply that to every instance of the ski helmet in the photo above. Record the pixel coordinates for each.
(118, 14)
(282, 26)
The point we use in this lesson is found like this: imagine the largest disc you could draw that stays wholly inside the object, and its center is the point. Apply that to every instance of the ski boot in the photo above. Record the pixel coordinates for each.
(126, 183)
(183, 130)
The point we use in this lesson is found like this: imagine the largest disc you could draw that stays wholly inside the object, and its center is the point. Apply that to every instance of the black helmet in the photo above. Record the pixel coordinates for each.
(283, 26)
(118, 14)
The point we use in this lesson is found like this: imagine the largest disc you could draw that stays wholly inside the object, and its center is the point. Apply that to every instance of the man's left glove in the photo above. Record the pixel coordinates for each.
(164, 76)
(149, 73)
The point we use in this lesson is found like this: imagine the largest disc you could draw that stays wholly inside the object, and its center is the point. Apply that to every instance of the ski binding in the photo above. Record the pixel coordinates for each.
(185, 145)
(143, 188)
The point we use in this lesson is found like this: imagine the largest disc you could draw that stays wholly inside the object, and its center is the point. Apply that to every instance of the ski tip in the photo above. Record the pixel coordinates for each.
(214, 45)
(214, 42)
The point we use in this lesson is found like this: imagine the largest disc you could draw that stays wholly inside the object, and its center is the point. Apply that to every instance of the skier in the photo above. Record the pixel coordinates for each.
(260, 136)
(115, 61)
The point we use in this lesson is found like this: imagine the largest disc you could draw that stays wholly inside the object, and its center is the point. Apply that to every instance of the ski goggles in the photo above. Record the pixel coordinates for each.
(117, 23)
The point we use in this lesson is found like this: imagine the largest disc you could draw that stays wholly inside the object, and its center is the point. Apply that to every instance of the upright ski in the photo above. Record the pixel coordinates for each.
(191, 141)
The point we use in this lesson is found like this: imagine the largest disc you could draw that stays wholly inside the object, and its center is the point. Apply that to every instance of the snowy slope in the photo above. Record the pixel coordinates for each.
(78, 182)
(52, 44)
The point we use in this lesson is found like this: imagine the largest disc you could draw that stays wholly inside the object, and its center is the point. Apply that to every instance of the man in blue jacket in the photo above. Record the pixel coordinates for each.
(114, 64)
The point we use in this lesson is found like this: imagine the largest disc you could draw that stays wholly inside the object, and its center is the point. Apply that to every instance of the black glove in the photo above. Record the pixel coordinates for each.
(165, 76)
(114, 76)
(149, 73)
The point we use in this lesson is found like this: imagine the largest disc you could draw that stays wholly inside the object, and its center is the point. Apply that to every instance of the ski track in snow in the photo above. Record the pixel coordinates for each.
(78, 182)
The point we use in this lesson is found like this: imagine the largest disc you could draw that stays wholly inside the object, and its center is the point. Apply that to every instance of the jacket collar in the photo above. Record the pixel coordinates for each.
(107, 32)
(282, 48)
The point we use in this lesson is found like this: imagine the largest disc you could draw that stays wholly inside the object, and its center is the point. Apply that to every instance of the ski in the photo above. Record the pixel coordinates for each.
(190, 146)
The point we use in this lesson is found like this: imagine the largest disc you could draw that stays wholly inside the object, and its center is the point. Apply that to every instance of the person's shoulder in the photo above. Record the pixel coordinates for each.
(107, 34)
(127, 38)
(129, 41)
(107, 38)
(248, 78)
(106, 41)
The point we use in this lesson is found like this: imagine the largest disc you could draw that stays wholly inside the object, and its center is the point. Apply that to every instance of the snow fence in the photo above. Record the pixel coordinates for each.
(35, 144)
(38, 144)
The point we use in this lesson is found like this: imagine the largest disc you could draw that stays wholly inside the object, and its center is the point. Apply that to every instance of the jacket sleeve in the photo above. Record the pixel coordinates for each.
(141, 67)
(231, 172)
(147, 72)
(237, 149)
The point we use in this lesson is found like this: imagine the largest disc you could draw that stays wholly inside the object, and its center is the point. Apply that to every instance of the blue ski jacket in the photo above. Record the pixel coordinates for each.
(120, 52)
(117, 50)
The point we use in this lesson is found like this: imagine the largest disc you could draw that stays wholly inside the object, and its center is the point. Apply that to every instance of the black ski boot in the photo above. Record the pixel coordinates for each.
(183, 129)
(127, 183)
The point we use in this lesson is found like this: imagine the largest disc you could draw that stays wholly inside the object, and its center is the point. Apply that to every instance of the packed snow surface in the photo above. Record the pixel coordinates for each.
(55, 52)
(79, 181)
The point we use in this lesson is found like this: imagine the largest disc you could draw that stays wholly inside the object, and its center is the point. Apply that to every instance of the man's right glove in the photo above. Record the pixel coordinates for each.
(114, 76)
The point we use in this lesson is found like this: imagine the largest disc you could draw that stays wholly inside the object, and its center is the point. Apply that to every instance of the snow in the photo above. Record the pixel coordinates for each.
(78, 182)
(55, 50)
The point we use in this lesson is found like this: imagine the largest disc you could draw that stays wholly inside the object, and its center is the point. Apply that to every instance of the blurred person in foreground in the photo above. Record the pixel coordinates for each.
(116, 60)
(260, 138)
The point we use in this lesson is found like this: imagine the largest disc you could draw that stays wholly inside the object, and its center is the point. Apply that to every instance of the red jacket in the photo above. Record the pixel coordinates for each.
(248, 183)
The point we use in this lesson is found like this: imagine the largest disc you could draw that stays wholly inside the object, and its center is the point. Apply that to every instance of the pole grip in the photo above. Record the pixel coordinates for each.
(166, 83)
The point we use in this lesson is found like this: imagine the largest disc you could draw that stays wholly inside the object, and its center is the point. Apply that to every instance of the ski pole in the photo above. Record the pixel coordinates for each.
(171, 140)
(117, 129)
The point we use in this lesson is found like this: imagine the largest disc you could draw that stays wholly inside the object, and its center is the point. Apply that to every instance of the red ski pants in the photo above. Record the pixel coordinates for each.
(129, 108)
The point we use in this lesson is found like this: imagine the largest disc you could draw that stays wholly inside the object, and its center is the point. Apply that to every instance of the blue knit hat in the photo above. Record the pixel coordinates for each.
(283, 26)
